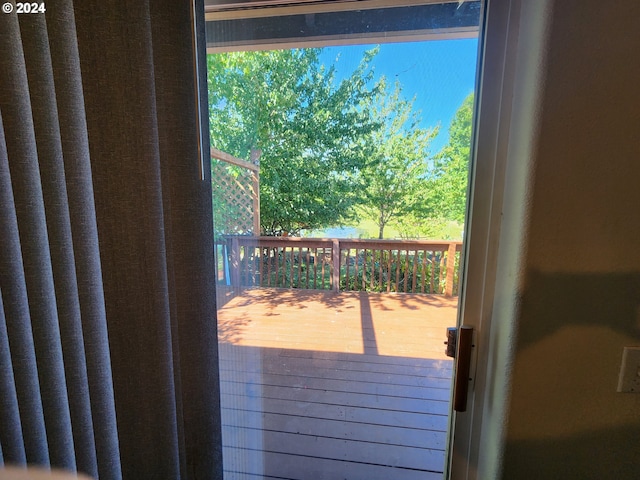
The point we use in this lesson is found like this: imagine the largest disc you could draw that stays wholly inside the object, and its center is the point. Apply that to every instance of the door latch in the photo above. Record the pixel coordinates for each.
(452, 338)
(459, 344)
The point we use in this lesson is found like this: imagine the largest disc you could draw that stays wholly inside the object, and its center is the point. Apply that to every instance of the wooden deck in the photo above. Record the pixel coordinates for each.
(334, 385)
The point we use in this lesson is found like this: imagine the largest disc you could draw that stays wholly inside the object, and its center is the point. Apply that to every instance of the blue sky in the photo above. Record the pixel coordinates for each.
(439, 73)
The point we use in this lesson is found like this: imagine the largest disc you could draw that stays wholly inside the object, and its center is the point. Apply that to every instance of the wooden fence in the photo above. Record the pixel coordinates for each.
(236, 193)
(408, 266)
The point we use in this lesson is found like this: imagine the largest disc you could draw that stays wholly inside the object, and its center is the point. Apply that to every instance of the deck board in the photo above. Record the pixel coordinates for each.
(365, 432)
(438, 390)
(301, 367)
(388, 418)
(328, 385)
(364, 452)
(289, 467)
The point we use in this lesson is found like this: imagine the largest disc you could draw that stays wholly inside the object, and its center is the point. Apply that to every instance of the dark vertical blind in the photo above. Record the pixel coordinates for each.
(108, 343)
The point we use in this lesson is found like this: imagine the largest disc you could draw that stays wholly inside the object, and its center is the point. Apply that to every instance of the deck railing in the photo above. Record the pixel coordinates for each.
(408, 266)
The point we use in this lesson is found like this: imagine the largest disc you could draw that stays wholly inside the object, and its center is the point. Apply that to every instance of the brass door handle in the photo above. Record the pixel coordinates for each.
(463, 367)
(459, 344)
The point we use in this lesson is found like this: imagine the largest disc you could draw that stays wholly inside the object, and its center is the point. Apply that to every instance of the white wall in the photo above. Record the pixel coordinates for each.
(578, 293)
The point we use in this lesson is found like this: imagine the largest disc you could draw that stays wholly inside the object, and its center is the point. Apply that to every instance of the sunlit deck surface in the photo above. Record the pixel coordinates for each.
(334, 385)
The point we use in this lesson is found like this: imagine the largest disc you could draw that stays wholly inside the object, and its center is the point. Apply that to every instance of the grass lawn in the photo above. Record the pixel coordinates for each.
(369, 229)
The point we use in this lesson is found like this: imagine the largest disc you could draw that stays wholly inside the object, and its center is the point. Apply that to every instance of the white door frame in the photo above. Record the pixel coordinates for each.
(512, 58)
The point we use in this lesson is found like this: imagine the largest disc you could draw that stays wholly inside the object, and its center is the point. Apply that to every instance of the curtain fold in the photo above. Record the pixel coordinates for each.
(108, 342)
(26, 220)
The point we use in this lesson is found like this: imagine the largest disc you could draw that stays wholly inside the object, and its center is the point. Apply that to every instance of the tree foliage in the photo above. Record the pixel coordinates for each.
(308, 127)
(395, 176)
(332, 150)
(439, 200)
(449, 189)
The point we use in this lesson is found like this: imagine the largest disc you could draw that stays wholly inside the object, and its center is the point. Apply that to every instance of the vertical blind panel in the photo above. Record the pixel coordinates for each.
(28, 195)
(129, 208)
(47, 133)
(10, 426)
(188, 217)
(108, 360)
(19, 149)
(77, 167)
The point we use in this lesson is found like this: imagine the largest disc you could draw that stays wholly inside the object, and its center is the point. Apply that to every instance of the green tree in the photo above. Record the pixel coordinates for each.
(449, 189)
(395, 176)
(308, 126)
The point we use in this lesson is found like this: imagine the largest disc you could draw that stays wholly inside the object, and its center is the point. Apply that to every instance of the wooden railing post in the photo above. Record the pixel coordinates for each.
(335, 257)
(255, 185)
(235, 263)
(451, 267)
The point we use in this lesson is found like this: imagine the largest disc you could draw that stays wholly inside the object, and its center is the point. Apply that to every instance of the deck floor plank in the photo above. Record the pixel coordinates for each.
(338, 379)
(392, 418)
(329, 385)
(256, 392)
(288, 466)
(336, 448)
(437, 389)
(425, 377)
(365, 432)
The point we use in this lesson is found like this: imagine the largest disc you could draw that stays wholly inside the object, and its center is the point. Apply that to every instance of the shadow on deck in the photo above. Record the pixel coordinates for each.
(326, 385)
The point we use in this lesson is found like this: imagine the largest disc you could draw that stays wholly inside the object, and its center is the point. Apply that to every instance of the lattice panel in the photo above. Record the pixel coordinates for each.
(234, 193)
